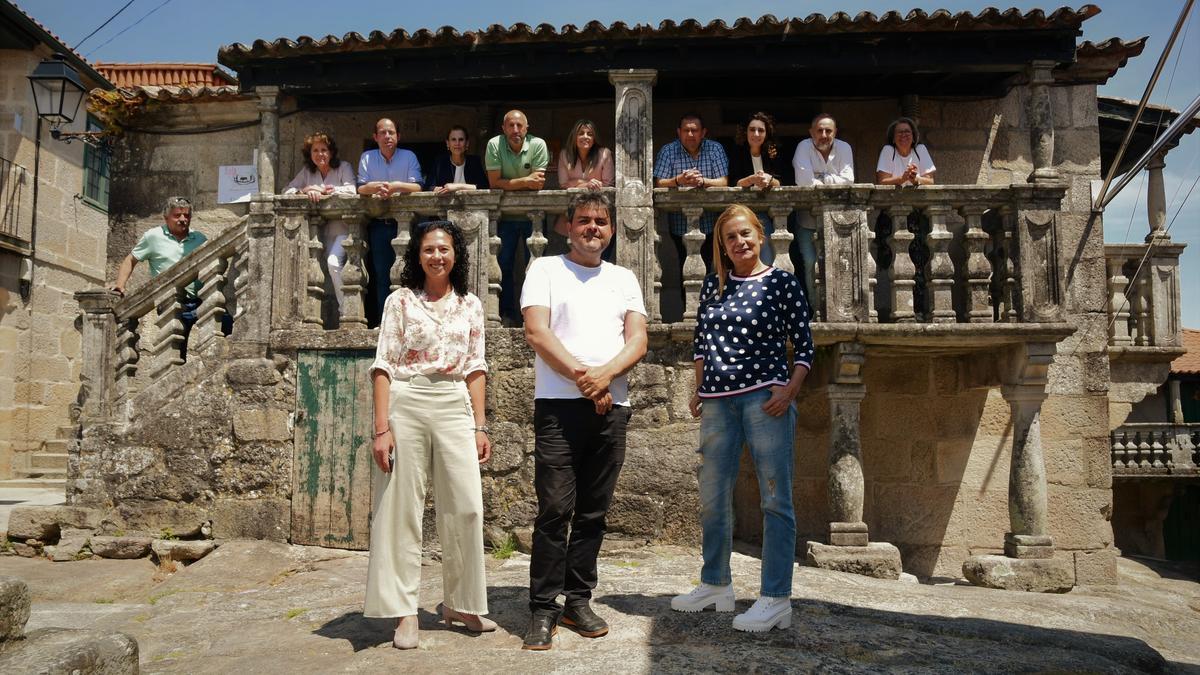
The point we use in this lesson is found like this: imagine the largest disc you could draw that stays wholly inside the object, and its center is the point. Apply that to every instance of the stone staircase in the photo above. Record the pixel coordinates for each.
(44, 468)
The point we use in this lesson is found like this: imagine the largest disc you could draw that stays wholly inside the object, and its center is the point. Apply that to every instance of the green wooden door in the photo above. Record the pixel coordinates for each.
(331, 486)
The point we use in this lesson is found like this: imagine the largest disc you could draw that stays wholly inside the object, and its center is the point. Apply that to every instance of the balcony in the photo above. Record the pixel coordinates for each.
(1144, 301)
(16, 209)
(1156, 449)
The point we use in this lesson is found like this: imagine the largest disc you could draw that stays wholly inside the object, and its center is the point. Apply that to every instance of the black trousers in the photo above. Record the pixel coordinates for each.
(577, 458)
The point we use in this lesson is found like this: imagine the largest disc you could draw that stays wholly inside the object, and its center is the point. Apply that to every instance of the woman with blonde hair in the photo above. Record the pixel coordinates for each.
(745, 392)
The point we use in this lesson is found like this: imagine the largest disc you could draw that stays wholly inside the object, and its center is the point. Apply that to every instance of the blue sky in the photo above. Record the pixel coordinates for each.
(186, 30)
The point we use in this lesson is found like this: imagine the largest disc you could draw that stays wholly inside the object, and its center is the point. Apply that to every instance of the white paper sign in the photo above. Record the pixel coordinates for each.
(236, 183)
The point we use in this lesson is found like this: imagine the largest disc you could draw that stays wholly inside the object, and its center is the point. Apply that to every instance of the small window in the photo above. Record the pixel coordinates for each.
(95, 169)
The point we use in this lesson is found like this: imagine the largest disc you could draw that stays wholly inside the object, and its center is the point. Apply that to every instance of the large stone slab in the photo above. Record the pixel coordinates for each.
(66, 650)
(125, 547)
(14, 608)
(877, 559)
(45, 522)
(1039, 575)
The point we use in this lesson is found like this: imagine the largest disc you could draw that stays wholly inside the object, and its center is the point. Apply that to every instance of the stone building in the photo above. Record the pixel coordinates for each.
(53, 233)
(957, 418)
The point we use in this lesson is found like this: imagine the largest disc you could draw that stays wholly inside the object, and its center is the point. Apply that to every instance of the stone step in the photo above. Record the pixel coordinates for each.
(31, 472)
(40, 461)
(57, 445)
(44, 483)
(66, 433)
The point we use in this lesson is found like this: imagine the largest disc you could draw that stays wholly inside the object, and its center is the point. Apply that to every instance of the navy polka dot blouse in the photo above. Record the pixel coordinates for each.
(741, 334)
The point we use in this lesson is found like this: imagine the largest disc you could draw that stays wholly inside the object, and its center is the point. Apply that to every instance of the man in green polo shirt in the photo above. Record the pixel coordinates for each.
(515, 160)
(162, 247)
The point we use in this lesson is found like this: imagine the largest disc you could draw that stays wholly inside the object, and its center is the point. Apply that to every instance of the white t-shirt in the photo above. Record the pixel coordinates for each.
(587, 314)
(891, 161)
(813, 169)
(460, 175)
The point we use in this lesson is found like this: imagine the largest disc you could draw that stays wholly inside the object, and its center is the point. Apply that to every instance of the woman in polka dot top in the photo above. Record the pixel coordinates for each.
(746, 386)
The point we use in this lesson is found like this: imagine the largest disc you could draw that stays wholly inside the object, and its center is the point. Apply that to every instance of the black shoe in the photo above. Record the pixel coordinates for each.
(580, 618)
(542, 628)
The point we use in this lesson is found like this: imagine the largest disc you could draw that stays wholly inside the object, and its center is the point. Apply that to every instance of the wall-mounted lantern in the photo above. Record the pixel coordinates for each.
(57, 94)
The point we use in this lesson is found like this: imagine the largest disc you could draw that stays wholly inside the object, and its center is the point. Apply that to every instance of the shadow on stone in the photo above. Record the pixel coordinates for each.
(829, 636)
(361, 632)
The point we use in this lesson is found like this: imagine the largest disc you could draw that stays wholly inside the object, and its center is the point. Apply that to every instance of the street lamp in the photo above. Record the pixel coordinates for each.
(57, 94)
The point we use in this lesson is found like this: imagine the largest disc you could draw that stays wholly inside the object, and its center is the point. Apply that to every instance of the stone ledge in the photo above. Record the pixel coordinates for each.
(877, 559)
(1038, 575)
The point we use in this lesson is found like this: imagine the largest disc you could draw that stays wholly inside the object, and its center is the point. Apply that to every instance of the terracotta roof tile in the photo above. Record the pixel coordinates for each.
(1189, 363)
(176, 94)
(165, 74)
(990, 18)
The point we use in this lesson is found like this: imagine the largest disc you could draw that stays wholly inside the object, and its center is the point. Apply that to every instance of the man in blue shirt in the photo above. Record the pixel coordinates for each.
(382, 173)
(691, 161)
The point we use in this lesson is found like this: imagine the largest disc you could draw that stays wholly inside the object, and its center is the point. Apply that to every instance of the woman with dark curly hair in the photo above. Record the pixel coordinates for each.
(324, 175)
(757, 165)
(904, 159)
(429, 386)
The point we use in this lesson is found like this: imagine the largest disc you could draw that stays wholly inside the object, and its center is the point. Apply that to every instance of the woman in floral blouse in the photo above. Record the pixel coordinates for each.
(428, 379)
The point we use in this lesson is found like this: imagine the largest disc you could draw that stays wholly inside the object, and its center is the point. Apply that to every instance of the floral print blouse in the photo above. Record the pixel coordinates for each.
(419, 337)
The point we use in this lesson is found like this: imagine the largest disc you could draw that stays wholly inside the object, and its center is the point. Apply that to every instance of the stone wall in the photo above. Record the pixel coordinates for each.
(40, 338)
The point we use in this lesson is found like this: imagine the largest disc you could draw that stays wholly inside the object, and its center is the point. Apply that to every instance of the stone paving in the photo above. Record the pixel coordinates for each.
(255, 606)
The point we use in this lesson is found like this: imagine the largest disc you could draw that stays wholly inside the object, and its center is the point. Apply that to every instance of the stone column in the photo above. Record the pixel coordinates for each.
(473, 218)
(99, 332)
(1028, 562)
(268, 138)
(1156, 197)
(848, 549)
(636, 234)
(1041, 121)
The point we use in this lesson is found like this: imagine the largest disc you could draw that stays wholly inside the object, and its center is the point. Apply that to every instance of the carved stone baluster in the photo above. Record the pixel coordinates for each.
(404, 221)
(354, 276)
(314, 278)
(1118, 450)
(212, 305)
(1143, 451)
(1010, 293)
(977, 272)
(693, 265)
(165, 352)
(903, 271)
(127, 359)
(1118, 304)
(537, 239)
(241, 282)
(1145, 309)
(820, 280)
(781, 239)
(493, 293)
(1157, 450)
(941, 268)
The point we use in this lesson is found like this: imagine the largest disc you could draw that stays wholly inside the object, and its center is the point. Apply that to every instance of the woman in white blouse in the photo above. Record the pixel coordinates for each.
(324, 175)
(429, 388)
(904, 160)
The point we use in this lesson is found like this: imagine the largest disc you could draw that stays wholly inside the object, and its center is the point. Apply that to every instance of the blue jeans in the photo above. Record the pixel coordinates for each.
(725, 425)
(512, 233)
(381, 255)
(767, 252)
(804, 252)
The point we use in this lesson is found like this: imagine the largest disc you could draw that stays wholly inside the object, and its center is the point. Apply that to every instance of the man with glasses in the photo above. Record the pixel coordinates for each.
(162, 247)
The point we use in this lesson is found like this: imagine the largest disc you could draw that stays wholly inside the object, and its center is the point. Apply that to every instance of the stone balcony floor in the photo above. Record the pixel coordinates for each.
(266, 607)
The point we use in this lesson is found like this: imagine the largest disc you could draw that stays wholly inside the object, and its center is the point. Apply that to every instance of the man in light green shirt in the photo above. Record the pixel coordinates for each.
(162, 247)
(515, 160)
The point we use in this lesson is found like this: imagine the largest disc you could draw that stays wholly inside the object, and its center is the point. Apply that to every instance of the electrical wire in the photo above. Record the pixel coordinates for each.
(122, 32)
(80, 43)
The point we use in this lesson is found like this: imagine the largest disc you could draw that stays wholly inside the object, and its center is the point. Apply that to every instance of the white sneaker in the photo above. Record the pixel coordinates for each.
(765, 614)
(721, 597)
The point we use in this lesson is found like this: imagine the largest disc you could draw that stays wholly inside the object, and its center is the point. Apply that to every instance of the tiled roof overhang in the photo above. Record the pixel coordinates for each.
(933, 54)
(19, 30)
(1115, 114)
(183, 94)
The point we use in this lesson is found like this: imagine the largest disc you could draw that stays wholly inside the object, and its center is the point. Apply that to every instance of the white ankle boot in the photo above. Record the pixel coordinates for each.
(702, 596)
(765, 614)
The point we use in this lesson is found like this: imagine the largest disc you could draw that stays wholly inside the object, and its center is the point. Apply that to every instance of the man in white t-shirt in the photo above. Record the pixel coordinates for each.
(586, 321)
(821, 159)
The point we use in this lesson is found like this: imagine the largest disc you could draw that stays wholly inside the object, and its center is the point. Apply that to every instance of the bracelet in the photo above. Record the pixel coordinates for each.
(484, 429)
(385, 431)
